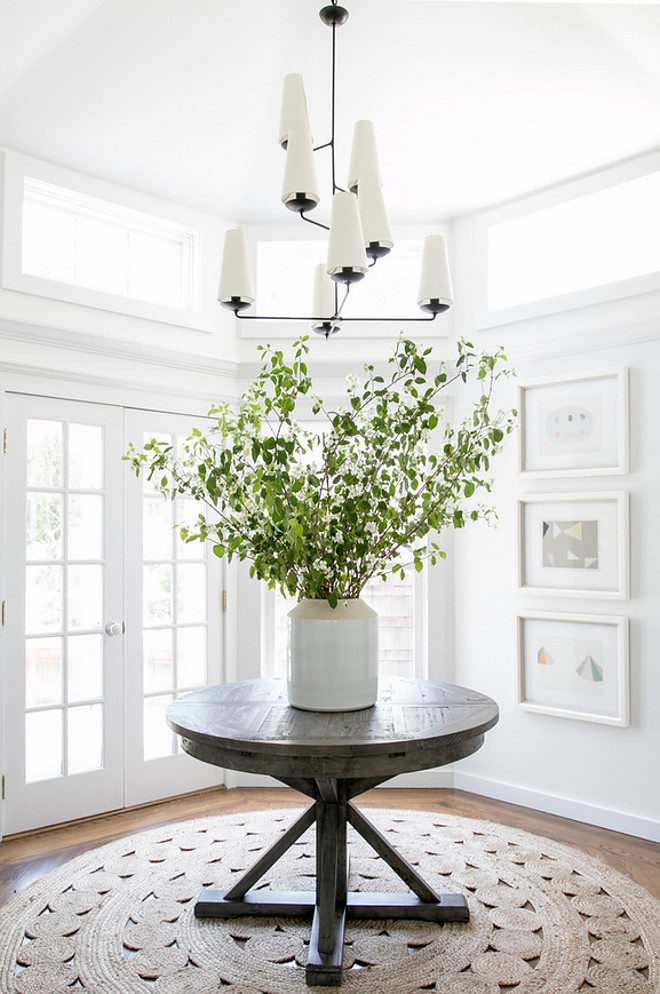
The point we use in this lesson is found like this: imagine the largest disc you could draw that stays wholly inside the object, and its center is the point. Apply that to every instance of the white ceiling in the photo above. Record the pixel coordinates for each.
(473, 102)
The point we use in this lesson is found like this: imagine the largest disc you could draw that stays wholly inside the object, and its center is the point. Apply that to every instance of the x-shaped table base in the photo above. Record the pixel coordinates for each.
(332, 903)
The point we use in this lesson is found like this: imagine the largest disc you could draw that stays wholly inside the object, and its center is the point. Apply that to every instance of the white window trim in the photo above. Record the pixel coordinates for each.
(483, 318)
(205, 251)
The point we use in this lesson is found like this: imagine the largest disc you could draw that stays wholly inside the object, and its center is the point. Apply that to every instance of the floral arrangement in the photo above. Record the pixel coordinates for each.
(319, 511)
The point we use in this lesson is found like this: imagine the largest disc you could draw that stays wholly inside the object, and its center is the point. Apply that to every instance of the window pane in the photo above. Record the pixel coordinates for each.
(282, 607)
(283, 267)
(88, 242)
(157, 594)
(158, 736)
(396, 638)
(613, 236)
(191, 593)
(85, 457)
(43, 745)
(43, 599)
(191, 657)
(157, 654)
(157, 270)
(85, 591)
(102, 256)
(85, 662)
(187, 512)
(49, 239)
(85, 526)
(43, 538)
(44, 453)
(43, 672)
(85, 728)
(147, 484)
(157, 530)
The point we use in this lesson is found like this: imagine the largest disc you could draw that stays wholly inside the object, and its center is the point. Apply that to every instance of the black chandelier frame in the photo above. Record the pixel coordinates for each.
(334, 15)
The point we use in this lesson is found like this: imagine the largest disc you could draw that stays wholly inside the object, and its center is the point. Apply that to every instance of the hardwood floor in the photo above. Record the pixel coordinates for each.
(28, 857)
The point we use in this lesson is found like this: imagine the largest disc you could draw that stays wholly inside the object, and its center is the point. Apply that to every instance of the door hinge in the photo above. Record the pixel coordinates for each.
(4, 439)
(224, 600)
(3, 787)
(4, 613)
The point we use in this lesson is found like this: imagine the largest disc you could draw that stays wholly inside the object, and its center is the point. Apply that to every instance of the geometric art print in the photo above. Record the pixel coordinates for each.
(570, 544)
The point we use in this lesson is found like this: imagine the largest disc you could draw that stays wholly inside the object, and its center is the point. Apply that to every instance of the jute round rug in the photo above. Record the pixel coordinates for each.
(545, 918)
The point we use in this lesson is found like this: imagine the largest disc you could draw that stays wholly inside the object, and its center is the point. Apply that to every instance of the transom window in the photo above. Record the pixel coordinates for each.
(582, 243)
(286, 268)
(82, 241)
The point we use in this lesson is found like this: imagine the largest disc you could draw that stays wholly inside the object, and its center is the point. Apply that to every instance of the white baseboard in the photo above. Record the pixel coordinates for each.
(566, 807)
(617, 821)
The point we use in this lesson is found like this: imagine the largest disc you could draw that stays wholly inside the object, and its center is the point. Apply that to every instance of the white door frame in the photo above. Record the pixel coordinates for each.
(158, 781)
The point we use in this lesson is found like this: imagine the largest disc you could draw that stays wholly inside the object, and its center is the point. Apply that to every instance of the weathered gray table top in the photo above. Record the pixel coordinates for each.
(250, 726)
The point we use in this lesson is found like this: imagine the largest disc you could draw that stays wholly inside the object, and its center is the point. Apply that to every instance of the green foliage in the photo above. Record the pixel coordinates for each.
(319, 513)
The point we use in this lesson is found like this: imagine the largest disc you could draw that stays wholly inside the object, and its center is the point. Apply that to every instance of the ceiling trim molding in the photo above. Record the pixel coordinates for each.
(107, 382)
(76, 341)
(592, 341)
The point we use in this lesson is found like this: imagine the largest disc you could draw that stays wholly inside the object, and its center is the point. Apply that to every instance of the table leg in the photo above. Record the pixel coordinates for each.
(327, 939)
(332, 904)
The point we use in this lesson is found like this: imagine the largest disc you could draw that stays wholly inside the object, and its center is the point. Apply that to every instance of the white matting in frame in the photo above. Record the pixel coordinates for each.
(574, 543)
(575, 426)
(574, 666)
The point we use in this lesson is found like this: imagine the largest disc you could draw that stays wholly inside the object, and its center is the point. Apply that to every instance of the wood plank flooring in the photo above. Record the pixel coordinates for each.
(28, 857)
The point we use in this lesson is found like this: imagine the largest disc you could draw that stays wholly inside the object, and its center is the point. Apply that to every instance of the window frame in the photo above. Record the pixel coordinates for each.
(475, 243)
(204, 259)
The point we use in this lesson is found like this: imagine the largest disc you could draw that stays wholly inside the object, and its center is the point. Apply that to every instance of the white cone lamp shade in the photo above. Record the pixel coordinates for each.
(435, 292)
(236, 290)
(300, 188)
(294, 112)
(373, 217)
(323, 305)
(347, 259)
(364, 158)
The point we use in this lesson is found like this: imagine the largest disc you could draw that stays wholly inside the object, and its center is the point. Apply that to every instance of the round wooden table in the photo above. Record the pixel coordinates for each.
(332, 757)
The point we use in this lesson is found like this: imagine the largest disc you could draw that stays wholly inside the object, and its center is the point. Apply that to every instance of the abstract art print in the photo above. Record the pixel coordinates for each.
(570, 544)
(574, 666)
(575, 426)
(575, 543)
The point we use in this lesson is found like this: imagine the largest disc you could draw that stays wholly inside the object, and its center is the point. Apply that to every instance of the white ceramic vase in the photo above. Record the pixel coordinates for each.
(333, 656)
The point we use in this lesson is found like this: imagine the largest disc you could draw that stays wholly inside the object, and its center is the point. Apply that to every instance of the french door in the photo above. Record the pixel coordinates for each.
(108, 616)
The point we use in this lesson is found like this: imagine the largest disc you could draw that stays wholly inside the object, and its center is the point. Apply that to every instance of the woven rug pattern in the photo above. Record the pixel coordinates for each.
(545, 918)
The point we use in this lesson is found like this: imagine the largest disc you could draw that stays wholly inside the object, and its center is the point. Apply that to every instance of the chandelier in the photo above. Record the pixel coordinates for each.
(359, 232)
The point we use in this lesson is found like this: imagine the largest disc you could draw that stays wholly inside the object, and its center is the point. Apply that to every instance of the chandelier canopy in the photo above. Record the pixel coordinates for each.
(359, 232)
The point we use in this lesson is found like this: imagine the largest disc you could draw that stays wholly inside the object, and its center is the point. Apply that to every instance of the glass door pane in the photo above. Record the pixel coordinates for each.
(63, 701)
(174, 642)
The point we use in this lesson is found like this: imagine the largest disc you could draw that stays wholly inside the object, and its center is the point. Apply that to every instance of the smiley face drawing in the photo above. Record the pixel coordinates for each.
(570, 425)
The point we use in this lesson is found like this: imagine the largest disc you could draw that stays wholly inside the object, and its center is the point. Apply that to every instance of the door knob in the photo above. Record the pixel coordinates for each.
(114, 628)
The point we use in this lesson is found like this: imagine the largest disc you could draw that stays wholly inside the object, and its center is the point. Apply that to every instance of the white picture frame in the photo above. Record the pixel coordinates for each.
(574, 543)
(575, 426)
(574, 666)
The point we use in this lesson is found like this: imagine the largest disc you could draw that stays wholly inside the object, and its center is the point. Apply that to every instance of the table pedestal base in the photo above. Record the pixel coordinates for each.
(332, 903)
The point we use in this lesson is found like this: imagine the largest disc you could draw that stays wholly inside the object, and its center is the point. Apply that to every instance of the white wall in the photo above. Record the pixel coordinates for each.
(602, 774)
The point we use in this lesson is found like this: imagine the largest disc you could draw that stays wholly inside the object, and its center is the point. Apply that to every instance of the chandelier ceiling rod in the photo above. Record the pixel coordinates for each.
(236, 293)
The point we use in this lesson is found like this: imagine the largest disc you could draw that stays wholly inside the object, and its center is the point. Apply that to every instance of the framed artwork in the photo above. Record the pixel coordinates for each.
(574, 543)
(574, 666)
(576, 426)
